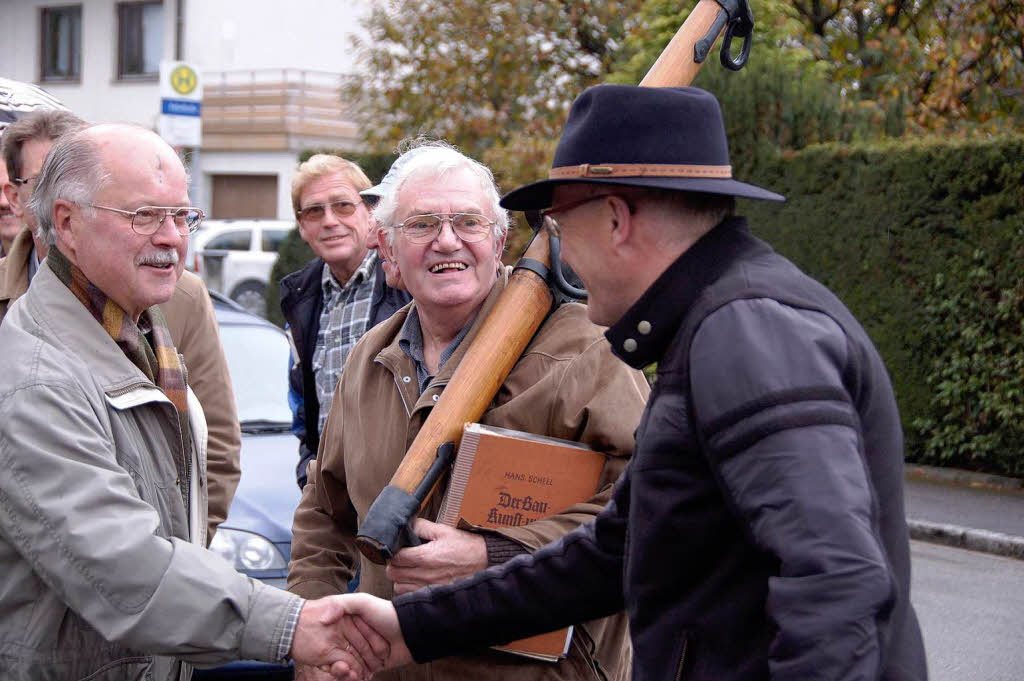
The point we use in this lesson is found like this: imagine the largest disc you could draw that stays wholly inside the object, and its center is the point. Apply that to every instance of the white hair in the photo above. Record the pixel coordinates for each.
(440, 160)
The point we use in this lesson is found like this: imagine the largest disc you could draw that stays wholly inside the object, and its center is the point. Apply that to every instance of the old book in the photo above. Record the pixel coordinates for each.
(508, 478)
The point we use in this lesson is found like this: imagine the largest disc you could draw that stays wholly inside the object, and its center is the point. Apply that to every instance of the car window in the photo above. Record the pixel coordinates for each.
(230, 241)
(257, 361)
(272, 239)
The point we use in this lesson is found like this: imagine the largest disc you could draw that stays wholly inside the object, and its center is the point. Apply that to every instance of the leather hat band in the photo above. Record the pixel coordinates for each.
(639, 170)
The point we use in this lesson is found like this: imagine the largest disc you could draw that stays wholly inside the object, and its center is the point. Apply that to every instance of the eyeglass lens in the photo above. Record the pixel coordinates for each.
(315, 213)
(148, 220)
(468, 226)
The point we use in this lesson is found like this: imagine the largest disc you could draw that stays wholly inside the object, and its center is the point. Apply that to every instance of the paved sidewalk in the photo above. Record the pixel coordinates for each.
(967, 510)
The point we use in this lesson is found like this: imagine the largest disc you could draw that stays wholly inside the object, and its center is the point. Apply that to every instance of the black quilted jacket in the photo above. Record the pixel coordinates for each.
(759, 531)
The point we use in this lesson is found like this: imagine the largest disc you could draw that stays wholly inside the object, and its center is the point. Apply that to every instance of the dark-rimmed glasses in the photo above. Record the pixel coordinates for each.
(147, 220)
(22, 181)
(552, 224)
(315, 213)
(470, 227)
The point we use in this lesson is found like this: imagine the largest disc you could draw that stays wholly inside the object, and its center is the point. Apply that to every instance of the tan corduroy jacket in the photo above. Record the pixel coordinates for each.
(193, 325)
(14, 270)
(190, 318)
(567, 384)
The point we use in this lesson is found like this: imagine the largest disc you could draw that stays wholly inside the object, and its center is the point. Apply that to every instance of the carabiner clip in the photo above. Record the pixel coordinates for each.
(737, 63)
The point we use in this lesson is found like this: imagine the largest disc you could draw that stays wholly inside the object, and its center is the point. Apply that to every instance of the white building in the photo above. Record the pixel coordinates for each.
(271, 72)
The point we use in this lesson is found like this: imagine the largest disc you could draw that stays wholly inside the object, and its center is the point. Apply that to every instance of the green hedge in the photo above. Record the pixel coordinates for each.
(924, 241)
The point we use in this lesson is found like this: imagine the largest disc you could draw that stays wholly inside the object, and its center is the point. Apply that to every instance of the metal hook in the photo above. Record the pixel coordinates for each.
(737, 63)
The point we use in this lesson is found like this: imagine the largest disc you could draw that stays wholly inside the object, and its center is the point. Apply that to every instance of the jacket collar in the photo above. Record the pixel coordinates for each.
(392, 356)
(14, 267)
(643, 334)
(301, 284)
(69, 324)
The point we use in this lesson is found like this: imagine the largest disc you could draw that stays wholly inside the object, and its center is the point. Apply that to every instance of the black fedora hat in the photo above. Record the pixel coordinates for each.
(666, 138)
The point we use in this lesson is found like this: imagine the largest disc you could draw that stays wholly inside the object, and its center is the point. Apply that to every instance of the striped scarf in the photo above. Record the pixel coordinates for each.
(155, 356)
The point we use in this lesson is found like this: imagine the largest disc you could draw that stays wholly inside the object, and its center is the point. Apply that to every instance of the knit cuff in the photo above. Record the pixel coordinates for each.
(501, 549)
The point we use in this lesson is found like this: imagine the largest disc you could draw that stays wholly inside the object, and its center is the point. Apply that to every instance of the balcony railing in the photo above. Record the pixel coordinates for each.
(275, 109)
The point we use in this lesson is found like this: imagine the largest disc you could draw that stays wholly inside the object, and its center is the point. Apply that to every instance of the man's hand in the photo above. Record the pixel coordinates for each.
(326, 637)
(376, 625)
(447, 554)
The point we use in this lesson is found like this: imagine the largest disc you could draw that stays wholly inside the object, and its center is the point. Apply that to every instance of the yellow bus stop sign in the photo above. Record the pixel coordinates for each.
(184, 79)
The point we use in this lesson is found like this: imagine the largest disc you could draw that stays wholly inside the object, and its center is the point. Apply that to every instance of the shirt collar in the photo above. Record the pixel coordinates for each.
(330, 284)
(410, 340)
(642, 335)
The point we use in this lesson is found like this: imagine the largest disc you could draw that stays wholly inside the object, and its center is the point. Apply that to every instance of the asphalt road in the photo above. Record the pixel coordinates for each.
(971, 608)
(982, 509)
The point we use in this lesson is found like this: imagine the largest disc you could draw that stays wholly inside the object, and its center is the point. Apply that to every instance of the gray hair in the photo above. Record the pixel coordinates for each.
(439, 159)
(73, 172)
(42, 125)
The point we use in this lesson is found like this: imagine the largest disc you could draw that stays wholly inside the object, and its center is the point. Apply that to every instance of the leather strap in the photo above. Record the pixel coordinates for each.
(639, 170)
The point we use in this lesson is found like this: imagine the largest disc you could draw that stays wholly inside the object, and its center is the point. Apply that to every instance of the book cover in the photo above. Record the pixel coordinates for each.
(508, 478)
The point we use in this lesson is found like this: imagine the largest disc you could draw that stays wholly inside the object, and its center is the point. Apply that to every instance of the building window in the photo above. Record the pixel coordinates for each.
(140, 44)
(61, 43)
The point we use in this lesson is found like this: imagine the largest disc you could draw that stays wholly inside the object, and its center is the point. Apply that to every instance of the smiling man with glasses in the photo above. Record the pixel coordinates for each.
(332, 301)
(103, 565)
(444, 232)
(189, 312)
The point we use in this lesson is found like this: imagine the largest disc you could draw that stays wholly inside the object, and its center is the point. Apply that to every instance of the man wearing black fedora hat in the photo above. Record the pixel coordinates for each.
(759, 531)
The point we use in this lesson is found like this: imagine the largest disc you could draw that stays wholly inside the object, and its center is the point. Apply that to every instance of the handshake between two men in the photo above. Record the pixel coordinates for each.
(373, 639)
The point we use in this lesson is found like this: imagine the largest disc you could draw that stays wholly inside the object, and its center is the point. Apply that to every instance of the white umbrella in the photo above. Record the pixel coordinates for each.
(18, 98)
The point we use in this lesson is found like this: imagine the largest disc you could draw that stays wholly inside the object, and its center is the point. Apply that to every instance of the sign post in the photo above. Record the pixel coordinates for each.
(181, 101)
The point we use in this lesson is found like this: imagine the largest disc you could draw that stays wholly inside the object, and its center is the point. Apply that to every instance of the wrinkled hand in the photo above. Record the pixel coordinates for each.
(304, 672)
(447, 554)
(376, 623)
(326, 637)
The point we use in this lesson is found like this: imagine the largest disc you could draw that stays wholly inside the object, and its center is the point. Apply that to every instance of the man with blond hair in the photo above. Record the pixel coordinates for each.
(331, 302)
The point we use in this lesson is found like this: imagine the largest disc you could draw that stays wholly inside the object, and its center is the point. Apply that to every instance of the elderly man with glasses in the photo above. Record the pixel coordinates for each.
(103, 570)
(332, 301)
(189, 313)
(444, 233)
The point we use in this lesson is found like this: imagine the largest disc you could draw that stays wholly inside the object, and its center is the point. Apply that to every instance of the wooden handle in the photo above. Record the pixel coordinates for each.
(675, 66)
(504, 335)
(519, 311)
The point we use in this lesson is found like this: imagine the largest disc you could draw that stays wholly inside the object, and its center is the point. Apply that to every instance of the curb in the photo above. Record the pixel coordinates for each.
(967, 538)
(954, 476)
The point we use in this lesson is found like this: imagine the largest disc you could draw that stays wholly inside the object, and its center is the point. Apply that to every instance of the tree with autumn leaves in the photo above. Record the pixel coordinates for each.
(496, 78)
(957, 64)
(493, 78)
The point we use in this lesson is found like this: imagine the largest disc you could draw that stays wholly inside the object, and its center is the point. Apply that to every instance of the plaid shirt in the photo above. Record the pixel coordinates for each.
(343, 321)
(284, 646)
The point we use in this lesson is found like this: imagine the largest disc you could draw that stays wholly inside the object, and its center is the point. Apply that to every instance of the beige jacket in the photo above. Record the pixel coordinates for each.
(14, 271)
(193, 326)
(567, 384)
(103, 574)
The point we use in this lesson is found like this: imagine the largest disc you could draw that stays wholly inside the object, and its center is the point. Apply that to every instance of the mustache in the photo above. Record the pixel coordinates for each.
(158, 258)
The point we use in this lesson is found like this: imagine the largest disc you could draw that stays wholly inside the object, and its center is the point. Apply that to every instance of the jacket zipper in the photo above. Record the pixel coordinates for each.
(682, 661)
(129, 388)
